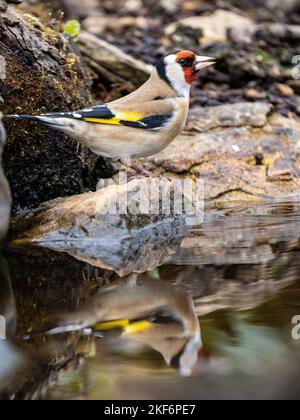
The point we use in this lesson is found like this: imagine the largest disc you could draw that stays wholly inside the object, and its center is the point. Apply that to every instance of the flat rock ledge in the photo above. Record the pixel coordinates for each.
(93, 227)
(241, 152)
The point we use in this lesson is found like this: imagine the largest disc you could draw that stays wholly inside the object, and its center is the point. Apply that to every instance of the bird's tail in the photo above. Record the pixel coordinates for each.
(48, 120)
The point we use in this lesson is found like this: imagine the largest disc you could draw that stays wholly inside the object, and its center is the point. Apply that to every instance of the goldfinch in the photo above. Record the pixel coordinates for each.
(150, 312)
(140, 124)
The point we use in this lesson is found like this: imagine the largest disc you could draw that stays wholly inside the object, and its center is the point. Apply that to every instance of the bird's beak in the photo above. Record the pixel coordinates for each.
(203, 62)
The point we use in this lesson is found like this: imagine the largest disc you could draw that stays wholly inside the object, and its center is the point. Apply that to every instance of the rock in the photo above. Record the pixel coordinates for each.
(255, 94)
(133, 6)
(43, 74)
(242, 35)
(221, 146)
(295, 85)
(97, 25)
(236, 115)
(279, 31)
(90, 228)
(5, 196)
(75, 9)
(284, 6)
(3, 6)
(284, 90)
(111, 63)
(170, 6)
(283, 169)
(215, 26)
(278, 121)
(185, 38)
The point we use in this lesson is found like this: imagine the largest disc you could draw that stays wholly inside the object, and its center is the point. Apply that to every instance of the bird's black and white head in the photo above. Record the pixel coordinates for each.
(186, 359)
(179, 70)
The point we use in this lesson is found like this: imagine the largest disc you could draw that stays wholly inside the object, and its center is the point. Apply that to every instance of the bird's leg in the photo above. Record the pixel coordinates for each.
(140, 170)
(132, 279)
(126, 163)
(136, 168)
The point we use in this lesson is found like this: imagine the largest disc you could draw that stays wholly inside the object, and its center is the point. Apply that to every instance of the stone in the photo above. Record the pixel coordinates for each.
(133, 6)
(284, 90)
(75, 9)
(221, 146)
(279, 31)
(97, 25)
(110, 62)
(242, 34)
(215, 26)
(236, 115)
(170, 6)
(284, 6)
(3, 6)
(255, 94)
(90, 228)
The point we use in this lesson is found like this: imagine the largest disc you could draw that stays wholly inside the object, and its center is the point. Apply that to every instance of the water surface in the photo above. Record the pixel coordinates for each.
(215, 321)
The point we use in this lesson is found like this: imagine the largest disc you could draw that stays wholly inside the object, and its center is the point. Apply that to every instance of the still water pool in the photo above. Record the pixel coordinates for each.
(214, 321)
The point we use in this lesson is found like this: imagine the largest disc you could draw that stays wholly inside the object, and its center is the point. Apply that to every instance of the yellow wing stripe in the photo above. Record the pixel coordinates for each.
(110, 121)
(137, 327)
(121, 116)
(125, 324)
(110, 325)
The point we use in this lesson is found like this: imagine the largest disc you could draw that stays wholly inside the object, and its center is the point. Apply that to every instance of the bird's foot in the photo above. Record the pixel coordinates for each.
(135, 168)
(142, 172)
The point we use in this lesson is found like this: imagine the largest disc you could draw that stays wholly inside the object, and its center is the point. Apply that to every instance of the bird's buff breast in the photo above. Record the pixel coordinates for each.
(128, 142)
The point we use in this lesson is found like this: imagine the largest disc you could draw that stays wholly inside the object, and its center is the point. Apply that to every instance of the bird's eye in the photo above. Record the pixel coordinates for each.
(186, 62)
(183, 62)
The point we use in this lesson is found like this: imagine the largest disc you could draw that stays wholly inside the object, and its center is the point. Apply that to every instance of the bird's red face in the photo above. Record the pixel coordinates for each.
(191, 64)
(179, 70)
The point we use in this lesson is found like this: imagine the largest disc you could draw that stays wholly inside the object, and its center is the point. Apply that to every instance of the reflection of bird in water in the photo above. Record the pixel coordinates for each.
(150, 312)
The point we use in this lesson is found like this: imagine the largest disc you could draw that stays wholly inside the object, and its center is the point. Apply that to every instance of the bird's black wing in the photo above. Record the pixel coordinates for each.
(102, 114)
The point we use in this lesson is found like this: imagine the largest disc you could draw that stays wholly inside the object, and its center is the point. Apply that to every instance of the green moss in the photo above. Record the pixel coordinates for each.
(36, 23)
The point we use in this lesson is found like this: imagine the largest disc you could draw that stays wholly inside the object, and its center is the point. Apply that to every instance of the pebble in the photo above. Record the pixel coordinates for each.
(255, 94)
(285, 90)
(3, 6)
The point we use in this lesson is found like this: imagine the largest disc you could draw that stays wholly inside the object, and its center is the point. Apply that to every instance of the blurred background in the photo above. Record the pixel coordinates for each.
(251, 40)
